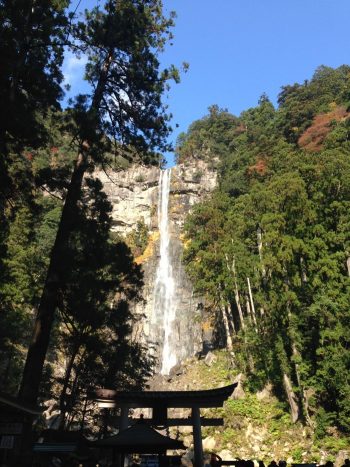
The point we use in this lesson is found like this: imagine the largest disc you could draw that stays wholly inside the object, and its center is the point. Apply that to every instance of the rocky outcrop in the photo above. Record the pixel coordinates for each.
(134, 196)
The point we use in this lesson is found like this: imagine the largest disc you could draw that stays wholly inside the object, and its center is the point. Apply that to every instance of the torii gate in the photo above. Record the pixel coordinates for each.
(161, 401)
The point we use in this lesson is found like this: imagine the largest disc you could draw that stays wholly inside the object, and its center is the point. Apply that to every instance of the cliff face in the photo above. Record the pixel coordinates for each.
(134, 195)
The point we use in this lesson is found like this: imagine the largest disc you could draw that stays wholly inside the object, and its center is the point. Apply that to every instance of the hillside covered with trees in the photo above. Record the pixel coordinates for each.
(271, 249)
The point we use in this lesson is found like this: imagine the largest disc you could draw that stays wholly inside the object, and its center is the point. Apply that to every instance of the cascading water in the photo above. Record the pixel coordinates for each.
(164, 308)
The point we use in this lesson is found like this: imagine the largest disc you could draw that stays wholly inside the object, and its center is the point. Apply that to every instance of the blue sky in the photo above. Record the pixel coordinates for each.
(239, 49)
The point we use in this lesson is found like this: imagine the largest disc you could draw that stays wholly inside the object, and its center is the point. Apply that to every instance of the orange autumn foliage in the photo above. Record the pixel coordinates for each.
(313, 137)
(259, 167)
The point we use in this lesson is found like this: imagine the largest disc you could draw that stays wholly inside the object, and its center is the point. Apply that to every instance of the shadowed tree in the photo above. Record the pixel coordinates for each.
(101, 279)
(122, 42)
(31, 51)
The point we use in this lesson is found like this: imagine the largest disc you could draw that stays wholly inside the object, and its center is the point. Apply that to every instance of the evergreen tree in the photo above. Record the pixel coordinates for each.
(121, 42)
(101, 279)
(273, 244)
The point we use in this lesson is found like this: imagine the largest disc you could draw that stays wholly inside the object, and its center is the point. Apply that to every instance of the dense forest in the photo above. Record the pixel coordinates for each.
(66, 284)
(271, 249)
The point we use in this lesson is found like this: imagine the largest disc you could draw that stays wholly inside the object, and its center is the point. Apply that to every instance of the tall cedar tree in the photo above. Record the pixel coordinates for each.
(122, 42)
(100, 281)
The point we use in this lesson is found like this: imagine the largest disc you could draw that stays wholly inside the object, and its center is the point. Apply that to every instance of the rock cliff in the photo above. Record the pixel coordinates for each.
(134, 195)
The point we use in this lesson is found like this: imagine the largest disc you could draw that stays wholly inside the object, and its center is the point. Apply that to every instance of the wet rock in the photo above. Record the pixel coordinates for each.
(209, 444)
(186, 430)
(249, 431)
(342, 455)
(187, 441)
(210, 358)
(238, 392)
(186, 461)
(189, 455)
(226, 455)
(265, 393)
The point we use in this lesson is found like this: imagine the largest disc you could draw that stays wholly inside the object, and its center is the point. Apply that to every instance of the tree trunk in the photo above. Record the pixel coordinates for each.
(263, 270)
(225, 320)
(237, 298)
(67, 375)
(32, 372)
(252, 305)
(33, 369)
(304, 399)
(82, 422)
(260, 246)
(232, 321)
(6, 373)
(296, 356)
(249, 312)
(303, 270)
(292, 399)
(232, 270)
(22, 54)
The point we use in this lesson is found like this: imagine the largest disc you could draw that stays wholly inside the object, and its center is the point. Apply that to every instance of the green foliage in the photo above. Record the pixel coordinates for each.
(32, 49)
(122, 41)
(207, 138)
(324, 420)
(137, 240)
(140, 179)
(30, 238)
(334, 444)
(101, 279)
(249, 407)
(197, 176)
(300, 103)
(280, 218)
(297, 454)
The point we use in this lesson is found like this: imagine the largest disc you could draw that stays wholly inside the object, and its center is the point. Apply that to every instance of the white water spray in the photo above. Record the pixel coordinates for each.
(164, 304)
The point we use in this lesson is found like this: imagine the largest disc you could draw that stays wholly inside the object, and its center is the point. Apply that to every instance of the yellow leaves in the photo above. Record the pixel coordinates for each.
(148, 253)
(207, 326)
(176, 209)
(185, 241)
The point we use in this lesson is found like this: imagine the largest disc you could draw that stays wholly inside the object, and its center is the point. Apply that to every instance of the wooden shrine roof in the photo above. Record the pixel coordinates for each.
(173, 399)
(140, 438)
(14, 403)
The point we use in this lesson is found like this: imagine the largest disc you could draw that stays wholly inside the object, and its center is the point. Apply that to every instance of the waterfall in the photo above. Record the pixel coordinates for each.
(164, 307)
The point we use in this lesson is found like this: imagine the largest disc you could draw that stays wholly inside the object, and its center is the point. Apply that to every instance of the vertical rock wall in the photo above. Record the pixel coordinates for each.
(134, 197)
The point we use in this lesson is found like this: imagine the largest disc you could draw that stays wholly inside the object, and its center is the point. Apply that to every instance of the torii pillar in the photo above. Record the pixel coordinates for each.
(197, 437)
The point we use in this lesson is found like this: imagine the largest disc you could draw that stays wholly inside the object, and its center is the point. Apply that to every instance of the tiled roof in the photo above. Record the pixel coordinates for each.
(140, 438)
